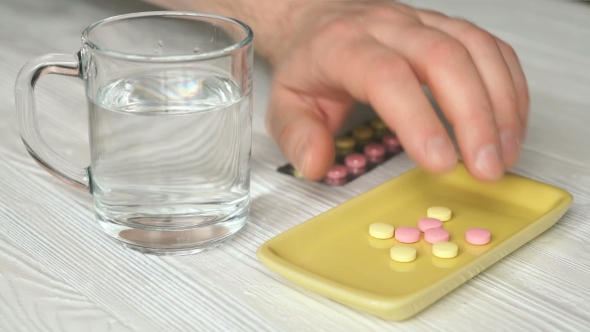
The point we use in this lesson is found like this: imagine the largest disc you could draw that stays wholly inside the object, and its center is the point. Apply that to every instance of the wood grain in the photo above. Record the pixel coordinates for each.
(34, 299)
(59, 272)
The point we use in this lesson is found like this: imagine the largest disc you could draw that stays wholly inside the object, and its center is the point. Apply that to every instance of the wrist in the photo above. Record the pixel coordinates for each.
(276, 23)
(269, 19)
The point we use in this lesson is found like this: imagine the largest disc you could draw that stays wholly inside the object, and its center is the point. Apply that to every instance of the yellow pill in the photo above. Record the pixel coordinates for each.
(297, 173)
(381, 230)
(402, 254)
(445, 249)
(378, 124)
(363, 133)
(344, 143)
(439, 212)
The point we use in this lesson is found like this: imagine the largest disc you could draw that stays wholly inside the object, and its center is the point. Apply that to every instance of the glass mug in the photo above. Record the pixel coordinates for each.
(170, 118)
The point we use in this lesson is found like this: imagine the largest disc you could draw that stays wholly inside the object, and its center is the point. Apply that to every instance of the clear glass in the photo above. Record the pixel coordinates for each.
(170, 117)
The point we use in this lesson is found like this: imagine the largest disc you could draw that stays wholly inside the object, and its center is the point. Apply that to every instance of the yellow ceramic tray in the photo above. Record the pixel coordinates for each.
(333, 254)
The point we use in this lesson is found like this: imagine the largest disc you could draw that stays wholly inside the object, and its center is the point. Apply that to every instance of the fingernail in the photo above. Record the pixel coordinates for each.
(488, 161)
(510, 145)
(441, 152)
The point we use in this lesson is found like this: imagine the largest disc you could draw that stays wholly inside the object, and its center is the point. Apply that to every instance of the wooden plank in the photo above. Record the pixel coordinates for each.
(34, 299)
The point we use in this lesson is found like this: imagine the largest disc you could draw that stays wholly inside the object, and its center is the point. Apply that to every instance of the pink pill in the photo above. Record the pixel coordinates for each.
(478, 236)
(356, 164)
(336, 176)
(428, 223)
(336, 172)
(375, 152)
(391, 143)
(407, 234)
(434, 235)
(355, 160)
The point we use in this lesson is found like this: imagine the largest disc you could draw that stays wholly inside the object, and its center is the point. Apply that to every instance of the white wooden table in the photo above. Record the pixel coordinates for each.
(59, 272)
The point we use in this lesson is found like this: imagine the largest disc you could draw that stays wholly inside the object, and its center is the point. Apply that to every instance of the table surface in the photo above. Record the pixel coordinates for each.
(59, 272)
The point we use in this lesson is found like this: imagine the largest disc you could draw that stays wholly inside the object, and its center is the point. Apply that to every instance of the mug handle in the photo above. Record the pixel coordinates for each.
(24, 91)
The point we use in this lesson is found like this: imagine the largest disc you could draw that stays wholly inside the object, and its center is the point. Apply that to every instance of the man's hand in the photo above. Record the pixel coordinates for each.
(381, 53)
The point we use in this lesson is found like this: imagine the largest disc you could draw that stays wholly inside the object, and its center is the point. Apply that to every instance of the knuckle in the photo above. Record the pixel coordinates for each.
(479, 116)
(511, 103)
(446, 50)
(478, 37)
(506, 103)
(511, 123)
(482, 116)
(434, 13)
(508, 51)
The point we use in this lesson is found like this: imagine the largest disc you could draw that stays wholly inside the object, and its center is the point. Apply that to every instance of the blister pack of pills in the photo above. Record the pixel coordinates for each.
(357, 153)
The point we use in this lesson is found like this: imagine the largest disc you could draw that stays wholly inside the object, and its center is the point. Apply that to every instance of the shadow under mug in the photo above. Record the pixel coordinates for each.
(170, 118)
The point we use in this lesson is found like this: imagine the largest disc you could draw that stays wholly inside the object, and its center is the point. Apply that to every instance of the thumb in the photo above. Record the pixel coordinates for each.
(301, 131)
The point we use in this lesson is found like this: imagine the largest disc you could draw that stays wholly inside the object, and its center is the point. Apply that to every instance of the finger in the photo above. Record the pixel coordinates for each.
(520, 83)
(301, 132)
(446, 66)
(377, 76)
(496, 76)
(396, 94)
